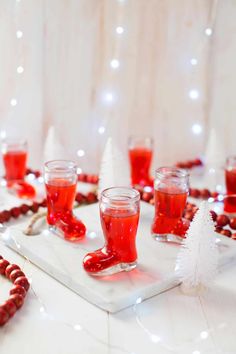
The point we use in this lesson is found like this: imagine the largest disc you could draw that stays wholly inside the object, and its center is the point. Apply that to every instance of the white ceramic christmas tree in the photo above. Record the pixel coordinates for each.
(52, 146)
(198, 257)
(114, 169)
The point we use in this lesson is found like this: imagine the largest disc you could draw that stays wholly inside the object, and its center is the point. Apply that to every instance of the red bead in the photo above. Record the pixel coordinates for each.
(147, 196)
(2, 218)
(22, 281)
(213, 215)
(195, 193)
(24, 208)
(10, 307)
(80, 198)
(10, 268)
(3, 316)
(15, 212)
(17, 299)
(189, 215)
(91, 197)
(222, 220)
(37, 174)
(227, 233)
(34, 207)
(18, 289)
(218, 229)
(1, 257)
(6, 214)
(214, 194)
(152, 201)
(197, 162)
(233, 236)
(205, 193)
(43, 204)
(16, 274)
(232, 223)
(3, 264)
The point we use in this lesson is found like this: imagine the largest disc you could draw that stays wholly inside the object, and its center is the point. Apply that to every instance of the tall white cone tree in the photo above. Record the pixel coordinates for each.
(114, 171)
(198, 257)
(52, 147)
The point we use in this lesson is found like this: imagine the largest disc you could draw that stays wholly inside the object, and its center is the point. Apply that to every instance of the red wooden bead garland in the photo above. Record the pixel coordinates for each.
(17, 293)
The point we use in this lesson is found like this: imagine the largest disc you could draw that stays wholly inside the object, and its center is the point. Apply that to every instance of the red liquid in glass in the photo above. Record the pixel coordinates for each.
(60, 199)
(15, 165)
(140, 161)
(169, 207)
(119, 228)
(230, 180)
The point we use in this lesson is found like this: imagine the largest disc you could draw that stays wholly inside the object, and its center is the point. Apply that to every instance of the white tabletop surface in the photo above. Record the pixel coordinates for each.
(56, 320)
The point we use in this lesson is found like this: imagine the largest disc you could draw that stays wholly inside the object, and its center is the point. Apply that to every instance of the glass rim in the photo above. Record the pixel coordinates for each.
(128, 195)
(14, 141)
(69, 165)
(171, 171)
(140, 137)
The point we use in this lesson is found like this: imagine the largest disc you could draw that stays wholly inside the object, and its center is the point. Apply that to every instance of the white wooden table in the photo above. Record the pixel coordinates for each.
(55, 320)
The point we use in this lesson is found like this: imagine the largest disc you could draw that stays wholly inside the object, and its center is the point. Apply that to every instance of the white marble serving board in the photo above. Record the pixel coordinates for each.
(63, 261)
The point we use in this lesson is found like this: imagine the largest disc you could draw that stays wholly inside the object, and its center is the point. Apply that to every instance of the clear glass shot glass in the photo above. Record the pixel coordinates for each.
(140, 157)
(14, 152)
(60, 181)
(230, 183)
(171, 188)
(119, 215)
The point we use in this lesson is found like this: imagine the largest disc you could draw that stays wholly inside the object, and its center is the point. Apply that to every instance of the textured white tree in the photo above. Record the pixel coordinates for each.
(114, 170)
(197, 260)
(52, 147)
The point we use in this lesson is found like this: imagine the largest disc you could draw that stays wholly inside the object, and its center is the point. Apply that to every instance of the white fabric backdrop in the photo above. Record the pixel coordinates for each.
(66, 49)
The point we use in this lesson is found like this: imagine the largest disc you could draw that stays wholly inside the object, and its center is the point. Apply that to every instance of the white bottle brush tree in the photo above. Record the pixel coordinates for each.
(198, 257)
(114, 170)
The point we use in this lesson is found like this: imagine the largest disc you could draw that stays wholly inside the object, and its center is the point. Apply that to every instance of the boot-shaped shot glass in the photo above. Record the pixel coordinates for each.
(119, 215)
(60, 181)
(14, 153)
(171, 189)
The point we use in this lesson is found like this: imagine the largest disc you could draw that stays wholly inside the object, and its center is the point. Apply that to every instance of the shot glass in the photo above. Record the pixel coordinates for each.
(14, 152)
(60, 181)
(140, 157)
(119, 215)
(230, 182)
(171, 187)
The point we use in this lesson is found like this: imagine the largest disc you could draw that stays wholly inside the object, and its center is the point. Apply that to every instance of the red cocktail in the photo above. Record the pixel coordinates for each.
(171, 191)
(119, 214)
(140, 156)
(60, 183)
(14, 159)
(15, 165)
(230, 181)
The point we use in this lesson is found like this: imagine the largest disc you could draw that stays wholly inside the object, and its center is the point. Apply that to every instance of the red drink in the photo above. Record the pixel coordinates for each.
(60, 182)
(15, 165)
(169, 207)
(171, 192)
(119, 229)
(140, 161)
(230, 180)
(60, 199)
(119, 220)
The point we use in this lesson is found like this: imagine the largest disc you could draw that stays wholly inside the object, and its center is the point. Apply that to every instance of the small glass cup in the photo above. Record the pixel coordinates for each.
(119, 215)
(14, 153)
(60, 181)
(230, 182)
(171, 188)
(140, 156)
